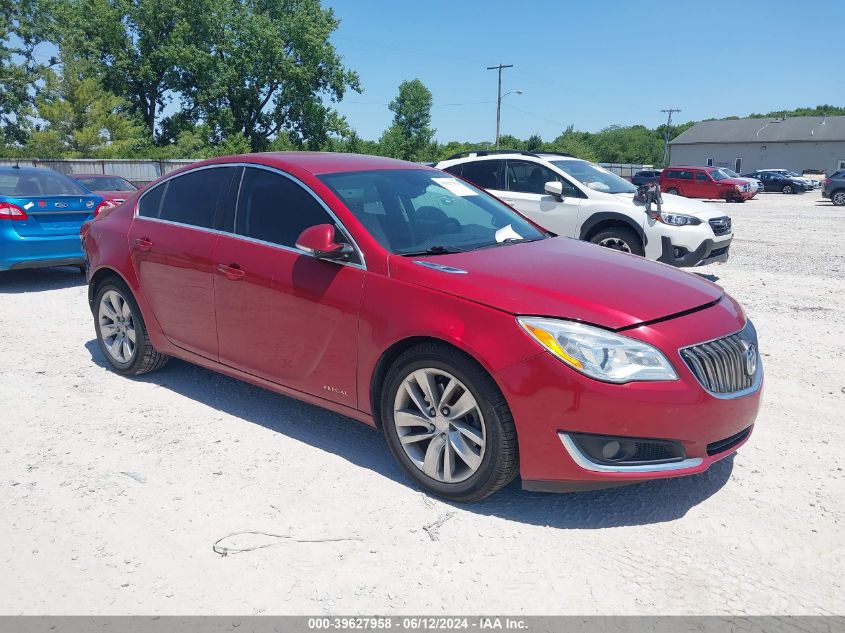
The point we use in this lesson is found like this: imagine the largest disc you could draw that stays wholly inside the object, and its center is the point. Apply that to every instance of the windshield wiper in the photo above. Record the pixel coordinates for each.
(434, 250)
(512, 240)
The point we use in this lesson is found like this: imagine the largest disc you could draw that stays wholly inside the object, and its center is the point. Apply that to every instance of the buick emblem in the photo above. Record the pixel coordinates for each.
(750, 359)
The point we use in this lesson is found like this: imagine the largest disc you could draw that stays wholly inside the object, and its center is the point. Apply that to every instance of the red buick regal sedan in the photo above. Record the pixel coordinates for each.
(481, 345)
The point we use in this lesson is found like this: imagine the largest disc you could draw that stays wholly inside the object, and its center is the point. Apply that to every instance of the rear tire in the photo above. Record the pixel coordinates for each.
(121, 332)
(674, 191)
(838, 198)
(424, 388)
(619, 238)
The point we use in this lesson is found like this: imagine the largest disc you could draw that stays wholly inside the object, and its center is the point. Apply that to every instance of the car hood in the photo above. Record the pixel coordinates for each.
(671, 204)
(564, 278)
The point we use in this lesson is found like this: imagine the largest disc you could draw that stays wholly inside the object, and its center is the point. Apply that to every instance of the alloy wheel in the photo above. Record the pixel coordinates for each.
(839, 198)
(117, 326)
(616, 244)
(439, 425)
(787, 189)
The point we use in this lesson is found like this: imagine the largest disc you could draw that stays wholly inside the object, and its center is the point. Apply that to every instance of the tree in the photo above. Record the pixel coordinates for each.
(409, 138)
(137, 47)
(81, 119)
(22, 28)
(265, 67)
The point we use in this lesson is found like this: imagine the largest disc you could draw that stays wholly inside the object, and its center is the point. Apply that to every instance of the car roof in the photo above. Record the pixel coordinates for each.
(315, 162)
(27, 170)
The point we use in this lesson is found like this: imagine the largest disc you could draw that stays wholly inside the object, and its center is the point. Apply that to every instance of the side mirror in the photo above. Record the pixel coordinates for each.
(555, 189)
(319, 242)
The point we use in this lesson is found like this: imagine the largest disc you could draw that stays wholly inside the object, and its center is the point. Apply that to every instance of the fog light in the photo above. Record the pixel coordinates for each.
(612, 450)
(632, 451)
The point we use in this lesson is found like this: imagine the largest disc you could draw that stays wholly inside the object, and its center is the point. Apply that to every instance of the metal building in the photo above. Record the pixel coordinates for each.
(800, 144)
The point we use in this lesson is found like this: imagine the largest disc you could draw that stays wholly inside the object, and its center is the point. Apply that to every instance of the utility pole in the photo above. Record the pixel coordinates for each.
(670, 111)
(500, 67)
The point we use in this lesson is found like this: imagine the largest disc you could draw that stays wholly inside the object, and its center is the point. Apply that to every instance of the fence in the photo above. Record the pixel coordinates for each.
(138, 172)
(141, 172)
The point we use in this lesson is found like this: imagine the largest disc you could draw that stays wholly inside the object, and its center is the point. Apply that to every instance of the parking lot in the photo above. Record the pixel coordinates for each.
(114, 491)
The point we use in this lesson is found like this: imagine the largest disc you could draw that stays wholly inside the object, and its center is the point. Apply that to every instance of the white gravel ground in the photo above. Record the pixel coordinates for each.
(113, 491)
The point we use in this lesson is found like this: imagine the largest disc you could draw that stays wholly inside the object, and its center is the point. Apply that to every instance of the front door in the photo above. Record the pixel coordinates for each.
(172, 242)
(281, 314)
(702, 186)
(525, 190)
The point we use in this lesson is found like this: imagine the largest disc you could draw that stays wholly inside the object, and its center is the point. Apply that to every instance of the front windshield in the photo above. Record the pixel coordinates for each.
(729, 173)
(595, 177)
(411, 211)
(718, 174)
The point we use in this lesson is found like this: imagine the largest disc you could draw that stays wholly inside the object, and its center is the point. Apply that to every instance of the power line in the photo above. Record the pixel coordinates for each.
(536, 116)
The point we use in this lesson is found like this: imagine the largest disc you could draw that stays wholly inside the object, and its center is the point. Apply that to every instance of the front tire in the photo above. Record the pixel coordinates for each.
(787, 189)
(838, 198)
(619, 238)
(121, 333)
(448, 424)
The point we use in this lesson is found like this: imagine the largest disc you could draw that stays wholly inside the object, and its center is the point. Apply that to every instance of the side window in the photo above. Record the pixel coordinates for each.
(194, 197)
(526, 177)
(671, 173)
(483, 173)
(702, 177)
(275, 209)
(150, 203)
(685, 175)
(455, 169)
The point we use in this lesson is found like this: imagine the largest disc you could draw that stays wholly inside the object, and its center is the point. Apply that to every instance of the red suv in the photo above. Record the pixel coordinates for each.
(410, 300)
(704, 182)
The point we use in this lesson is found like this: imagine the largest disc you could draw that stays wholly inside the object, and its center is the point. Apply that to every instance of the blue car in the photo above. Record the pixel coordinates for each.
(41, 212)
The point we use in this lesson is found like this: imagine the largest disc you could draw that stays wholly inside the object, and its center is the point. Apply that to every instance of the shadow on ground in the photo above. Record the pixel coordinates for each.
(652, 502)
(708, 277)
(40, 279)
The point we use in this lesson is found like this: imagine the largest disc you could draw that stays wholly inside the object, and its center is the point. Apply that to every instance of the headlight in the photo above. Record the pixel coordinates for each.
(598, 353)
(678, 219)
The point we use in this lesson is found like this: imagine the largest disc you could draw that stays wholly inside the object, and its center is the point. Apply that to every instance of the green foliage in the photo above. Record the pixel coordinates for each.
(258, 68)
(409, 138)
(20, 73)
(81, 119)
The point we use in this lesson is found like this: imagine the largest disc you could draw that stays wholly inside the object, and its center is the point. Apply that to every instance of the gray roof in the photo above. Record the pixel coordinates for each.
(802, 128)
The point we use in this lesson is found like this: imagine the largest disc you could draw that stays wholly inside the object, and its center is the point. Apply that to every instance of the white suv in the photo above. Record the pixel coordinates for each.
(576, 198)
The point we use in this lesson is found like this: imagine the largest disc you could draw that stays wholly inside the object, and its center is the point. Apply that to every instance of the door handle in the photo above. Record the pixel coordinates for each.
(232, 271)
(143, 244)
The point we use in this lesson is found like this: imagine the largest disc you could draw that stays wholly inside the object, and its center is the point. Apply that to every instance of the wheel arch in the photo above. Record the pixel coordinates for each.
(394, 351)
(600, 221)
(99, 276)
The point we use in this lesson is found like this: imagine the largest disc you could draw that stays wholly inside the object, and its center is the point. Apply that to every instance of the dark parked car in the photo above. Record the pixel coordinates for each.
(775, 181)
(646, 176)
(834, 188)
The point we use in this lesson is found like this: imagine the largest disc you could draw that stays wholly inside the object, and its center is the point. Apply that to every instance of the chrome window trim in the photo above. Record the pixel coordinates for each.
(758, 375)
(362, 265)
(587, 464)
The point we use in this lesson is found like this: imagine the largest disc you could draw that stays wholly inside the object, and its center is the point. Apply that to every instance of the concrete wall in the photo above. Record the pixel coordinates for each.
(798, 157)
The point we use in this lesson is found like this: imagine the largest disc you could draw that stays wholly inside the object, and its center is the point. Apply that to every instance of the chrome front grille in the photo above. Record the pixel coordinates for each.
(727, 365)
(721, 226)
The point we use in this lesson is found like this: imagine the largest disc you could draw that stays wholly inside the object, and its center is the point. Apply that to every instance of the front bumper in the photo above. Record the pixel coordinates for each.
(550, 400)
(708, 252)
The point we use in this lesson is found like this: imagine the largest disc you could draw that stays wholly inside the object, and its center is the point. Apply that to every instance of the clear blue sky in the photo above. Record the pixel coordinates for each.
(589, 64)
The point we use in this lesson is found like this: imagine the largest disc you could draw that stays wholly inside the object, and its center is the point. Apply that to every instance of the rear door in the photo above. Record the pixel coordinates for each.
(525, 190)
(172, 241)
